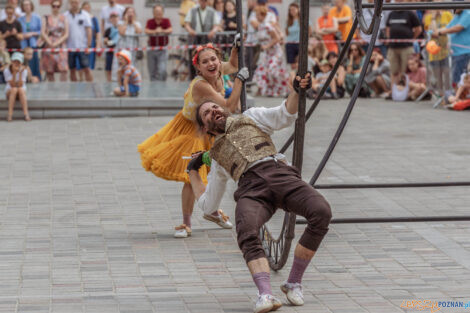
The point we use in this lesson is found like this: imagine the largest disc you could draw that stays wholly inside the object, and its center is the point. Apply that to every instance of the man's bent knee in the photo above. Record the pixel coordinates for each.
(249, 243)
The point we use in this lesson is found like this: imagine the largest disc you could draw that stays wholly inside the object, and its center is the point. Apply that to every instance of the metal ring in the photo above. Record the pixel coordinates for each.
(367, 29)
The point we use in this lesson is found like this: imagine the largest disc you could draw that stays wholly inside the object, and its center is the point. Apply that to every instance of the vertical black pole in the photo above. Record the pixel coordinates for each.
(303, 61)
(241, 54)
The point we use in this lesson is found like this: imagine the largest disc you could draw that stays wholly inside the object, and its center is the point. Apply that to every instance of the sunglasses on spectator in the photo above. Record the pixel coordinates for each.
(354, 49)
(56, 6)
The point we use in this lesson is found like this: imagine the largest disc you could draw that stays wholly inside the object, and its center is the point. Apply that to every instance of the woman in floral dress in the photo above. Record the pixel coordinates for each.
(270, 75)
(55, 32)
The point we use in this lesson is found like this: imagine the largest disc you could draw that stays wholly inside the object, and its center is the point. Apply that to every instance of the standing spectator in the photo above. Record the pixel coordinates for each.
(354, 64)
(15, 77)
(55, 31)
(111, 38)
(378, 74)
(31, 25)
(18, 12)
(230, 17)
(327, 27)
(11, 29)
(158, 28)
(293, 34)
(129, 30)
(270, 75)
(219, 8)
(185, 6)
(401, 25)
(106, 11)
(342, 12)
(365, 38)
(95, 34)
(201, 19)
(80, 38)
(434, 20)
(459, 30)
(417, 77)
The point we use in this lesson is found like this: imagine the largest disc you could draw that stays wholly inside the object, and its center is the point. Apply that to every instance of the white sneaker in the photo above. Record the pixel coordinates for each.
(222, 220)
(182, 231)
(293, 292)
(267, 303)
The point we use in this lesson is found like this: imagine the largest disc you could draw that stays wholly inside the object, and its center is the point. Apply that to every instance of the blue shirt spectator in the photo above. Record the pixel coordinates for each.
(462, 37)
(32, 26)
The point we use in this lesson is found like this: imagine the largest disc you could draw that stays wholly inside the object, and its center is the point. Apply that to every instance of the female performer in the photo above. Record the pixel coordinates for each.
(162, 153)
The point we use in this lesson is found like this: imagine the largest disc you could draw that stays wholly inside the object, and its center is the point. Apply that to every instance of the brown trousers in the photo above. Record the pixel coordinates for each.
(271, 185)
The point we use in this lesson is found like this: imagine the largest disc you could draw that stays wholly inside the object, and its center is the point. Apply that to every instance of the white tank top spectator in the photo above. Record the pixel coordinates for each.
(129, 30)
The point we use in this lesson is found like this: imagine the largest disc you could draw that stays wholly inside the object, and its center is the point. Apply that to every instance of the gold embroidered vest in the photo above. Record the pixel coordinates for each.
(241, 144)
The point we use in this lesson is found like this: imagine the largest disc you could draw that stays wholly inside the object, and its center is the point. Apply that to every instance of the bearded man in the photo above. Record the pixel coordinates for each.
(244, 151)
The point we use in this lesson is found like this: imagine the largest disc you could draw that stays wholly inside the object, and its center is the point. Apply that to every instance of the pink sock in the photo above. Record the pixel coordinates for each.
(297, 271)
(187, 220)
(262, 281)
(216, 214)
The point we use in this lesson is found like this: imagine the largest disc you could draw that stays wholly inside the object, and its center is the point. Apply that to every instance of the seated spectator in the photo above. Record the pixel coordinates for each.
(400, 88)
(320, 79)
(4, 59)
(31, 25)
(354, 64)
(54, 32)
(128, 76)
(111, 38)
(11, 29)
(15, 77)
(317, 51)
(378, 74)
(28, 56)
(327, 27)
(461, 100)
(417, 74)
(340, 76)
(158, 28)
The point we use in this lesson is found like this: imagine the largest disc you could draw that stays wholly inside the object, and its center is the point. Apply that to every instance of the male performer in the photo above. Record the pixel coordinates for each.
(243, 150)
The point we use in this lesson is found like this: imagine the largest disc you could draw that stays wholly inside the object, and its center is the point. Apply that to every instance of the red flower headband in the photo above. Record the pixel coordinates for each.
(199, 49)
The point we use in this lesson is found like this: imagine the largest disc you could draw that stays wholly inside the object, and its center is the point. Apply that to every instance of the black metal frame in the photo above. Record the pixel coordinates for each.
(277, 250)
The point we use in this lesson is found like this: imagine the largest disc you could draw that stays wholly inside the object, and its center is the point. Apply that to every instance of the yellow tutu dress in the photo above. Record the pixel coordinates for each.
(162, 153)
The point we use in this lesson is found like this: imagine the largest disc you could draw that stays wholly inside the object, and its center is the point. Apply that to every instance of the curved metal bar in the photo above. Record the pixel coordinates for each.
(278, 258)
(241, 55)
(393, 185)
(410, 219)
(314, 105)
(352, 102)
(411, 6)
(360, 17)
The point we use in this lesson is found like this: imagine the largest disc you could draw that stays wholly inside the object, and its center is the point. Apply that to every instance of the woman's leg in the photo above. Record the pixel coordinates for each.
(187, 201)
(381, 84)
(50, 77)
(11, 96)
(63, 76)
(24, 103)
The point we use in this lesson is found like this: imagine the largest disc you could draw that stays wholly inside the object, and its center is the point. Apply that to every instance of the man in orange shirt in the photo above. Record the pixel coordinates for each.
(327, 26)
(343, 14)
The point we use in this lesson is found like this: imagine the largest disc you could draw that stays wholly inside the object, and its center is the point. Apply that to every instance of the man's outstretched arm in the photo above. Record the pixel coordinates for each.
(293, 98)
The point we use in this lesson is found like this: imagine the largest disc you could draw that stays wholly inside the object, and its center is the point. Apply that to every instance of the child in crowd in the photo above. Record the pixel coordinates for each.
(128, 76)
(340, 76)
(4, 59)
(28, 56)
(15, 76)
(320, 79)
(401, 88)
(417, 77)
(111, 37)
(461, 100)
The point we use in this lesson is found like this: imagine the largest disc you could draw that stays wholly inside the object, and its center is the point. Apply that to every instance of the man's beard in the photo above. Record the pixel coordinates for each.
(218, 126)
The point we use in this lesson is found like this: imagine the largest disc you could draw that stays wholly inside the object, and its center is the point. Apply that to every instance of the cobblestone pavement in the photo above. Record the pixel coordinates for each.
(83, 228)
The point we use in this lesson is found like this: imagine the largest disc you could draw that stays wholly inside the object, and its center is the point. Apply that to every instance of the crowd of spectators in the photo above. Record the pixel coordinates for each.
(398, 69)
